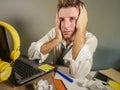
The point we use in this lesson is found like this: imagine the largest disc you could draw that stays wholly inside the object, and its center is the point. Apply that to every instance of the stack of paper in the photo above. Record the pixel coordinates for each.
(69, 85)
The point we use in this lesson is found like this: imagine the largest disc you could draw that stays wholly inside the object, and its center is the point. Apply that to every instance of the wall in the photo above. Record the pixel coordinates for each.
(31, 18)
(34, 18)
(104, 22)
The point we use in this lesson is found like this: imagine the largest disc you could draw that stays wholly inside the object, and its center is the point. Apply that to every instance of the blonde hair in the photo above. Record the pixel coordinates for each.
(69, 3)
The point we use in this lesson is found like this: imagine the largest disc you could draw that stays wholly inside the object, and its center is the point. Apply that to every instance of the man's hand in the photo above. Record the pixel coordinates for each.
(48, 46)
(82, 19)
(57, 28)
(80, 36)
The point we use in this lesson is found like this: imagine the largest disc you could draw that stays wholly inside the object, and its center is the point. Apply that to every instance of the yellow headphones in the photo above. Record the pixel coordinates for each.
(5, 67)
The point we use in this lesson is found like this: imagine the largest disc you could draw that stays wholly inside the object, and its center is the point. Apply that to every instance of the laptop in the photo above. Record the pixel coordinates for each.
(24, 70)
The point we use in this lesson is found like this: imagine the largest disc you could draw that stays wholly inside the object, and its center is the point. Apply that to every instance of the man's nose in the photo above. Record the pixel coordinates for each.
(66, 24)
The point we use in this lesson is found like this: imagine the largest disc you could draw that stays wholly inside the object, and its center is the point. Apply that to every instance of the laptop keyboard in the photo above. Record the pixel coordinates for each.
(25, 70)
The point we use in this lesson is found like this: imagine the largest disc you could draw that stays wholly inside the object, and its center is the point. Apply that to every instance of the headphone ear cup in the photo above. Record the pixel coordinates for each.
(15, 54)
(16, 49)
(5, 71)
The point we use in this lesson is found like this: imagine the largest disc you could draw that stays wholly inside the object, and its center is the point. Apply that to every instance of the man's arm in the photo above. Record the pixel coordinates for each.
(80, 36)
(48, 46)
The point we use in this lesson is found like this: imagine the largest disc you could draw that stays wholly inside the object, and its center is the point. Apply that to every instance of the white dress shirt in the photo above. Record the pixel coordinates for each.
(80, 67)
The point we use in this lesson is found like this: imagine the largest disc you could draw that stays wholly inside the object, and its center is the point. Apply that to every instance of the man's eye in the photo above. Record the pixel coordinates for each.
(61, 19)
(72, 18)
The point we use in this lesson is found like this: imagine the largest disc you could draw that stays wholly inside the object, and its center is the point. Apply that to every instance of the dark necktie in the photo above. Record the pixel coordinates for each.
(60, 60)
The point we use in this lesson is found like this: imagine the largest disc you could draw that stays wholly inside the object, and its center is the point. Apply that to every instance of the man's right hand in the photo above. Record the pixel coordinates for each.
(48, 46)
(57, 29)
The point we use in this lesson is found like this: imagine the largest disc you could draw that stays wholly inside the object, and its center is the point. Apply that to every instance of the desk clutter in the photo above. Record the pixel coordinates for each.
(42, 85)
(95, 80)
(91, 82)
(111, 77)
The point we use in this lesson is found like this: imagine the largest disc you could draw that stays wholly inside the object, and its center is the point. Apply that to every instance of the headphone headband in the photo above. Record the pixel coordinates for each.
(16, 40)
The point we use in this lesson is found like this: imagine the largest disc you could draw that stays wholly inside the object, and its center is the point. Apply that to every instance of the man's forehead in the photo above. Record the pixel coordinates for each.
(68, 12)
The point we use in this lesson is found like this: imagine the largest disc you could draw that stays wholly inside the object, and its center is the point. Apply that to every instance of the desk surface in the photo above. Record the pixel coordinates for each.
(7, 85)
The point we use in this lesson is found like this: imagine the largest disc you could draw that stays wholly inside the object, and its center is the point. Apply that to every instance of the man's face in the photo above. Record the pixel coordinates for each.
(68, 17)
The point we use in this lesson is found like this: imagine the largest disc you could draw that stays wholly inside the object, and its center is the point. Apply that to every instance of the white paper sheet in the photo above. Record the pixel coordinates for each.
(69, 85)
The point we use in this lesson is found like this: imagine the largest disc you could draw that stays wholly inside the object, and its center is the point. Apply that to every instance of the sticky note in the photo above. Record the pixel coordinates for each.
(114, 85)
(46, 67)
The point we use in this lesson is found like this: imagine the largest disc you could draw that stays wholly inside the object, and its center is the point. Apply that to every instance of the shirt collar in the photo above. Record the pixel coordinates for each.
(64, 44)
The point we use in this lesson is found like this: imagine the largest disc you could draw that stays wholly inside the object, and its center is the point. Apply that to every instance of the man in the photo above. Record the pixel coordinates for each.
(69, 33)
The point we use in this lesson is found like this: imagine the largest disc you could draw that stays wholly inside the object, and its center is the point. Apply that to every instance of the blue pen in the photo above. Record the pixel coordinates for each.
(64, 76)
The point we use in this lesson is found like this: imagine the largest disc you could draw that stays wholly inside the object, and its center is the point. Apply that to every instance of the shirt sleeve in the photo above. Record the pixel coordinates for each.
(34, 49)
(34, 52)
(81, 66)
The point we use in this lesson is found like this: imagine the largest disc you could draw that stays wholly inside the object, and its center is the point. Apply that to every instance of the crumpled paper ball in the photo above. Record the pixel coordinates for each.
(42, 85)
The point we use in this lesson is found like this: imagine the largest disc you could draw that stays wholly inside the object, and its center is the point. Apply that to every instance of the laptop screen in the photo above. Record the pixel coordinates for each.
(4, 48)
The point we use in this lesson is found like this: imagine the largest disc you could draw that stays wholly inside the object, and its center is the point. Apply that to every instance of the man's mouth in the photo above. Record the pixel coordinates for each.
(66, 33)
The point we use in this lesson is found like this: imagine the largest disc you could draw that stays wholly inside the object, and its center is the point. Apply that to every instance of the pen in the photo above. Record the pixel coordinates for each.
(64, 76)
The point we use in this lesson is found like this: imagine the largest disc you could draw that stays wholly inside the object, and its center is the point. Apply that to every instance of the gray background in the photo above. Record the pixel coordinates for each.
(34, 18)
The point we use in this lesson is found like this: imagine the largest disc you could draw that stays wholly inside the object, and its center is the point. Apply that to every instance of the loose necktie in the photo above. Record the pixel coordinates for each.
(60, 60)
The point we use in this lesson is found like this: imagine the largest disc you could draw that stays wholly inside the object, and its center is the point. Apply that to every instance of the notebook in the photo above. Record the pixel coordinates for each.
(24, 70)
